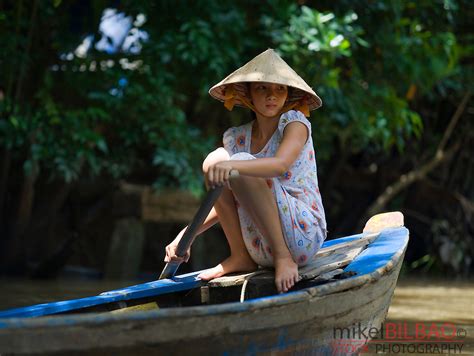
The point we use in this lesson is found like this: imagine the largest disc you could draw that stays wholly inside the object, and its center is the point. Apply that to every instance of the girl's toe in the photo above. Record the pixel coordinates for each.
(280, 286)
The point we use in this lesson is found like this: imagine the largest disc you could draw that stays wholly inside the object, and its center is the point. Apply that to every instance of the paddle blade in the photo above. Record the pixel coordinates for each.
(169, 270)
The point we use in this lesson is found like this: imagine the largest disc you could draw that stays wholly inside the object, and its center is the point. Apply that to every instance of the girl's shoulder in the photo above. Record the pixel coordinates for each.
(292, 116)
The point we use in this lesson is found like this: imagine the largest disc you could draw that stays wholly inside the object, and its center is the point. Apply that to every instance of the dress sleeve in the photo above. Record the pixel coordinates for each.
(293, 115)
(229, 141)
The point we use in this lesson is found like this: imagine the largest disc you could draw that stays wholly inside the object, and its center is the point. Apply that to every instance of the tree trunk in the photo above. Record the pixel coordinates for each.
(15, 262)
(5, 164)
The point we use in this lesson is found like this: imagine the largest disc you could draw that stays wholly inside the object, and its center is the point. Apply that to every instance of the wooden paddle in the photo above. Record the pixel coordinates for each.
(190, 233)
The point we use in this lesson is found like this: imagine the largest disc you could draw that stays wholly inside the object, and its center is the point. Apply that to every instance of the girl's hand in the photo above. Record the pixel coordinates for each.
(171, 250)
(218, 173)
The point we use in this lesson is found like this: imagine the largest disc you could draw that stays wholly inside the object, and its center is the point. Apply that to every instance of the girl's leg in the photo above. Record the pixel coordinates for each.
(258, 200)
(239, 259)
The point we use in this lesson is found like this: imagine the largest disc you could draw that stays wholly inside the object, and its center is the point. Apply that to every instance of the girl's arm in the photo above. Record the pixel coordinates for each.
(171, 248)
(210, 221)
(293, 141)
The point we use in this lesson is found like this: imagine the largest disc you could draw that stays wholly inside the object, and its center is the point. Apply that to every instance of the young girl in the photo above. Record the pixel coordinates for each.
(272, 215)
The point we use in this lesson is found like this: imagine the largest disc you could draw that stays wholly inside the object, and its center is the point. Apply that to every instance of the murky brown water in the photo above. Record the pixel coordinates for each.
(19, 293)
(426, 302)
(430, 305)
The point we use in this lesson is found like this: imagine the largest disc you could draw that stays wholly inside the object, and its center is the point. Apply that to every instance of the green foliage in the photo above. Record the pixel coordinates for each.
(390, 74)
(83, 121)
(367, 60)
(364, 72)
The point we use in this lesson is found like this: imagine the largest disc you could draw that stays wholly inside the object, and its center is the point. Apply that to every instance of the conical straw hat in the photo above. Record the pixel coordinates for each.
(266, 67)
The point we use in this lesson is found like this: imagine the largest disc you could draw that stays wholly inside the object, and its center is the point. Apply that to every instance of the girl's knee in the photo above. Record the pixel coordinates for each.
(220, 155)
(242, 156)
(215, 156)
(244, 180)
(249, 184)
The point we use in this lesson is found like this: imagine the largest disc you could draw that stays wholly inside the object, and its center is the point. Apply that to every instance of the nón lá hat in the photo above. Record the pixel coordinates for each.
(268, 67)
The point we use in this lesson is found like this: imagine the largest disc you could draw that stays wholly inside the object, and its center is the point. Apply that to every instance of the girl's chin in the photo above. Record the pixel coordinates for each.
(270, 112)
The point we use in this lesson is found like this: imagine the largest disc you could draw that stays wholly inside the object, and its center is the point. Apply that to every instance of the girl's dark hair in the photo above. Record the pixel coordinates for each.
(253, 116)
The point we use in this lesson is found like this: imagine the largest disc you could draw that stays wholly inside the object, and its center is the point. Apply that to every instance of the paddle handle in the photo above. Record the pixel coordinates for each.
(190, 234)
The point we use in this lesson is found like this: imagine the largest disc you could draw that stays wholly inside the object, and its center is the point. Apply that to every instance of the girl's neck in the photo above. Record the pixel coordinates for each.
(264, 127)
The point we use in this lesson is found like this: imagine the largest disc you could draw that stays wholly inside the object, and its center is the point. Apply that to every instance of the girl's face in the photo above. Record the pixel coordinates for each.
(268, 98)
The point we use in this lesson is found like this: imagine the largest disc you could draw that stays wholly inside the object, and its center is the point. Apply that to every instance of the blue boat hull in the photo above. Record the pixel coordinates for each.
(303, 320)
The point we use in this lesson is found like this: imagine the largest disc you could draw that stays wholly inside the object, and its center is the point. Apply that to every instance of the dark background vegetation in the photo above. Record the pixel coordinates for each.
(396, 130)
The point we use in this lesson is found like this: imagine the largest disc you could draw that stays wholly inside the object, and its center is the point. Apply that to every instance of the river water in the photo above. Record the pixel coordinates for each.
(426, 304)
(422, 306)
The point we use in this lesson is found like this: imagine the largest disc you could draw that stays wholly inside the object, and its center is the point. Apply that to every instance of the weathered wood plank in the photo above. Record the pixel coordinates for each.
(327, 259)
(363, 240)
(329, 263)
(167, 206)
(135, 308)
(337, 259)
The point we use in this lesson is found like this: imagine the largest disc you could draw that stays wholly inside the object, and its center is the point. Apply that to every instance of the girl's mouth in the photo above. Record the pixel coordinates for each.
(271, 106)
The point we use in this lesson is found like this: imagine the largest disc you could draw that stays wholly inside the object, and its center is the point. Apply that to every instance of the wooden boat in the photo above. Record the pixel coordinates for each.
(349, 287)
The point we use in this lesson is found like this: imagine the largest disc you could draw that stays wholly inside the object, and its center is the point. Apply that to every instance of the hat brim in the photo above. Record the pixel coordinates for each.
(296, 94)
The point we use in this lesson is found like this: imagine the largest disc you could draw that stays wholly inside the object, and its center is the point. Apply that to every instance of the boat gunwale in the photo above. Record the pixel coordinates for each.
(151, 289)
(304, 295)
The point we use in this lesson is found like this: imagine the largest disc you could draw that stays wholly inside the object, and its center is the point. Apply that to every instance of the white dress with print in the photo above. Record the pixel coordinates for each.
(296, 192)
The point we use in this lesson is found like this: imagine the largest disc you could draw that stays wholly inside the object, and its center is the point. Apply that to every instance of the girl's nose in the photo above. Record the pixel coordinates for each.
(271, 92)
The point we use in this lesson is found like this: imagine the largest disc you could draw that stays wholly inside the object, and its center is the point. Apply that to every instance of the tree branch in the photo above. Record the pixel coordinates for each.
(454, 121)
(409, 178)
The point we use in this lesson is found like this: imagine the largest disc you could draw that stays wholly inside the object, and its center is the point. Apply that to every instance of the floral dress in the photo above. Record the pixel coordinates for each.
(296, 192)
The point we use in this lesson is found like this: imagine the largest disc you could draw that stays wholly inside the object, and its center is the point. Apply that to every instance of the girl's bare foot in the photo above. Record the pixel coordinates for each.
(286, 273)
(230, 264)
